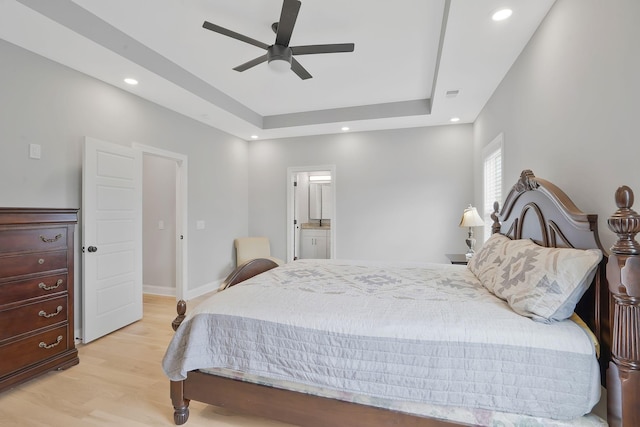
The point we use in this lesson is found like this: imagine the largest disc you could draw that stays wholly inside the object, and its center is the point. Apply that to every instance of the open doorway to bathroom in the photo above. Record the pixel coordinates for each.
(311, 218)
(164, 216)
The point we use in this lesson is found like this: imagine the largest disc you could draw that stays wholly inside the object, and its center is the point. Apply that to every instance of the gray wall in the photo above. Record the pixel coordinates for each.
(569, 105)
(45, 103)
(399, 193)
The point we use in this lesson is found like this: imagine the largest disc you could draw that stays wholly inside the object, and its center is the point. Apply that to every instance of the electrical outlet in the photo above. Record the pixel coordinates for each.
(200, 225)
(161, 225)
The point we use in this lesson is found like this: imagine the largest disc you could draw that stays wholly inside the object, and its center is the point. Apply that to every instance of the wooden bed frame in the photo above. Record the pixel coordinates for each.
(534, 209)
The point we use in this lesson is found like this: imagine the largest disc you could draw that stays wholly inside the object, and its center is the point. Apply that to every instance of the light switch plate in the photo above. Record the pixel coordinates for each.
(35, 151)
(200, 225)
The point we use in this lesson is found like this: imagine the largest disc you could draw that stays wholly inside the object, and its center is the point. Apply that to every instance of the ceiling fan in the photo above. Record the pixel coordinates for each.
(280, 55)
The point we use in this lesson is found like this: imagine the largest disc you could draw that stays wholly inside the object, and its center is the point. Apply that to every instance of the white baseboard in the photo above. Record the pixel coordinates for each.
(159, 290)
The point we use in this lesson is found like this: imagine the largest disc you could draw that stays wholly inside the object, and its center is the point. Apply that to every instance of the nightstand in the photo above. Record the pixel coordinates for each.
(457, 259)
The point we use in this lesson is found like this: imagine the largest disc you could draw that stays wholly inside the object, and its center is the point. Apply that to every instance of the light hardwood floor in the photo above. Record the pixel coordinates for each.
(119, 381)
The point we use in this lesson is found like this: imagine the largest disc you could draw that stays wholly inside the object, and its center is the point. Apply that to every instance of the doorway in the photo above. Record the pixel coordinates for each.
(311, 212)
(164, 221)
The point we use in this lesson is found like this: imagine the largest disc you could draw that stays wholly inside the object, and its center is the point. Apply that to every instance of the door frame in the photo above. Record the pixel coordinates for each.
(292, 171)
(181, 211)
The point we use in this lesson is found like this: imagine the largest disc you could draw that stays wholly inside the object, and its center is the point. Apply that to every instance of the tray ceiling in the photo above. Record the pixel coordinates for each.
(409, 57)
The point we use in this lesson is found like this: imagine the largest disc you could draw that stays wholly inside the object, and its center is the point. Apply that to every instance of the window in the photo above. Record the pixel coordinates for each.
(492, 170)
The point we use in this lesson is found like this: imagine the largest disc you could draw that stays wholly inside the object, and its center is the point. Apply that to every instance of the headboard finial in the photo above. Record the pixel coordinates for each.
(624, 197)
(625, 222)
(495, 226)
(526, 182)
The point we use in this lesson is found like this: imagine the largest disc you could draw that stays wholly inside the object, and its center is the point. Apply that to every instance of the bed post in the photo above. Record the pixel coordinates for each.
(180, 404)
(623, 275)
(181, 308)
(176, 389)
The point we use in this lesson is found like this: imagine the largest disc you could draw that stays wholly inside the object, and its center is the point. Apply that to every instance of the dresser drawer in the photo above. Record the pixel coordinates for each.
(40, 262)
(29, 317)
(36, 348)
(20, 290)
(33, 239)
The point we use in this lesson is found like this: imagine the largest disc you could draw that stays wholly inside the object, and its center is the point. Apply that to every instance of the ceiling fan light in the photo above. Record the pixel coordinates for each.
(280, 65)
(279, 58)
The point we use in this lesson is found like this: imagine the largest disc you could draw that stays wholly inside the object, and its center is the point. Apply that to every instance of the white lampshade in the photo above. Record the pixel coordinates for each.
(471, 218)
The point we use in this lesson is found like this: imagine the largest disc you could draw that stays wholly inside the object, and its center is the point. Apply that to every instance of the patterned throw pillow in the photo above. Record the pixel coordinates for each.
(486, 261)
(544, 283)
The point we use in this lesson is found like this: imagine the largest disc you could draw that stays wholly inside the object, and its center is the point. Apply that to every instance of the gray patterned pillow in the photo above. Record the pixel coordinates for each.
(544, 283)
(486, 261)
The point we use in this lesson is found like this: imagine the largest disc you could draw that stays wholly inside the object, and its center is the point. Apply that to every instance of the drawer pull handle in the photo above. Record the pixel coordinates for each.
(44, 345)
(41, 285)
(44, 313)
(51, 240)
(41, 261)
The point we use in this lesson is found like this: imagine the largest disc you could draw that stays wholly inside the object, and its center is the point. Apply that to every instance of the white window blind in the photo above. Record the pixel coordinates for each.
(492, 169)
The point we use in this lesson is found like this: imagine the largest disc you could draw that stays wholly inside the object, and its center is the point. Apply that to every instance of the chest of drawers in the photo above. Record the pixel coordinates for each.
(36, 292)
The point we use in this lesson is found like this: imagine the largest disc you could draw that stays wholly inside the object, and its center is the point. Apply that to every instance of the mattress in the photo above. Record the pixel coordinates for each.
(403, 332)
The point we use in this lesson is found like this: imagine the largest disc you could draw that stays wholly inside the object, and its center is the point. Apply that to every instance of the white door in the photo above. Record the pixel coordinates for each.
(111, 238)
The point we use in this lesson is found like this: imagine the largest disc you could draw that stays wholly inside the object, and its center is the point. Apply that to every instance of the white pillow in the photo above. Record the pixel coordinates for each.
(487, 260)
(544, 283)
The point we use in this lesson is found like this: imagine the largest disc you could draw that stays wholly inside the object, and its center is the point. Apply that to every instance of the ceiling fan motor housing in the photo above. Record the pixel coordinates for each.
(278, 52)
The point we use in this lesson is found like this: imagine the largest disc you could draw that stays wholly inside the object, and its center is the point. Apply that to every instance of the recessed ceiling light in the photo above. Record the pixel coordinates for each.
(454, 119)
(345, 128)
(254, 136)
(131, 81)
(501, 15)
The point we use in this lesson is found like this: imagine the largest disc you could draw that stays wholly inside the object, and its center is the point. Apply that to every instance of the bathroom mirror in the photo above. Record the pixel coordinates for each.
(320, 200)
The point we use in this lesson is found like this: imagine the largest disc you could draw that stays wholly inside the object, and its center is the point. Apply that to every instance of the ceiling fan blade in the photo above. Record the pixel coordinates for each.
(288, 16)
(322, 48)
(297, 68)
(252, 63)
(233, 34)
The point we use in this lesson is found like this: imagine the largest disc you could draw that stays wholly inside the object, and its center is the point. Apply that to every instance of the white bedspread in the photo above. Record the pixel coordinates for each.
(412, 332)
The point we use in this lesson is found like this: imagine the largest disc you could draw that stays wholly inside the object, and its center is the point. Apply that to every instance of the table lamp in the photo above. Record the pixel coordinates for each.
(470, 218)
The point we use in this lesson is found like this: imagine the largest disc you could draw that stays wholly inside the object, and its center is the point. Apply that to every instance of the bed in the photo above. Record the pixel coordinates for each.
(398, 352)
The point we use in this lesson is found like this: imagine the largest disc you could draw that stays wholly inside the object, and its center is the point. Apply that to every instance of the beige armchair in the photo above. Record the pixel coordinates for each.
(248, 248)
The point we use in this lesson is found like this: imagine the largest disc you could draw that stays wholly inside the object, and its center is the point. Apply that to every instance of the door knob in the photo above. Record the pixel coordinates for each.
(92, 249)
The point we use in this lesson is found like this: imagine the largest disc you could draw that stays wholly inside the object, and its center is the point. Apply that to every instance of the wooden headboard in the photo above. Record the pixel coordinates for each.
(538, 210)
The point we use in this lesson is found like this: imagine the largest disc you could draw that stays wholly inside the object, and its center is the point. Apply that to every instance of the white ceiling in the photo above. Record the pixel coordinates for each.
(408, 54)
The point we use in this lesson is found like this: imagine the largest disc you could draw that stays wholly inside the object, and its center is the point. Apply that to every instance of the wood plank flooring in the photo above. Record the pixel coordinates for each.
(119, 381)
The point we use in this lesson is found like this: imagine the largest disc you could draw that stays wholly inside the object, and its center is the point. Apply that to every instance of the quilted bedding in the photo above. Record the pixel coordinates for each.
(417, 333)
